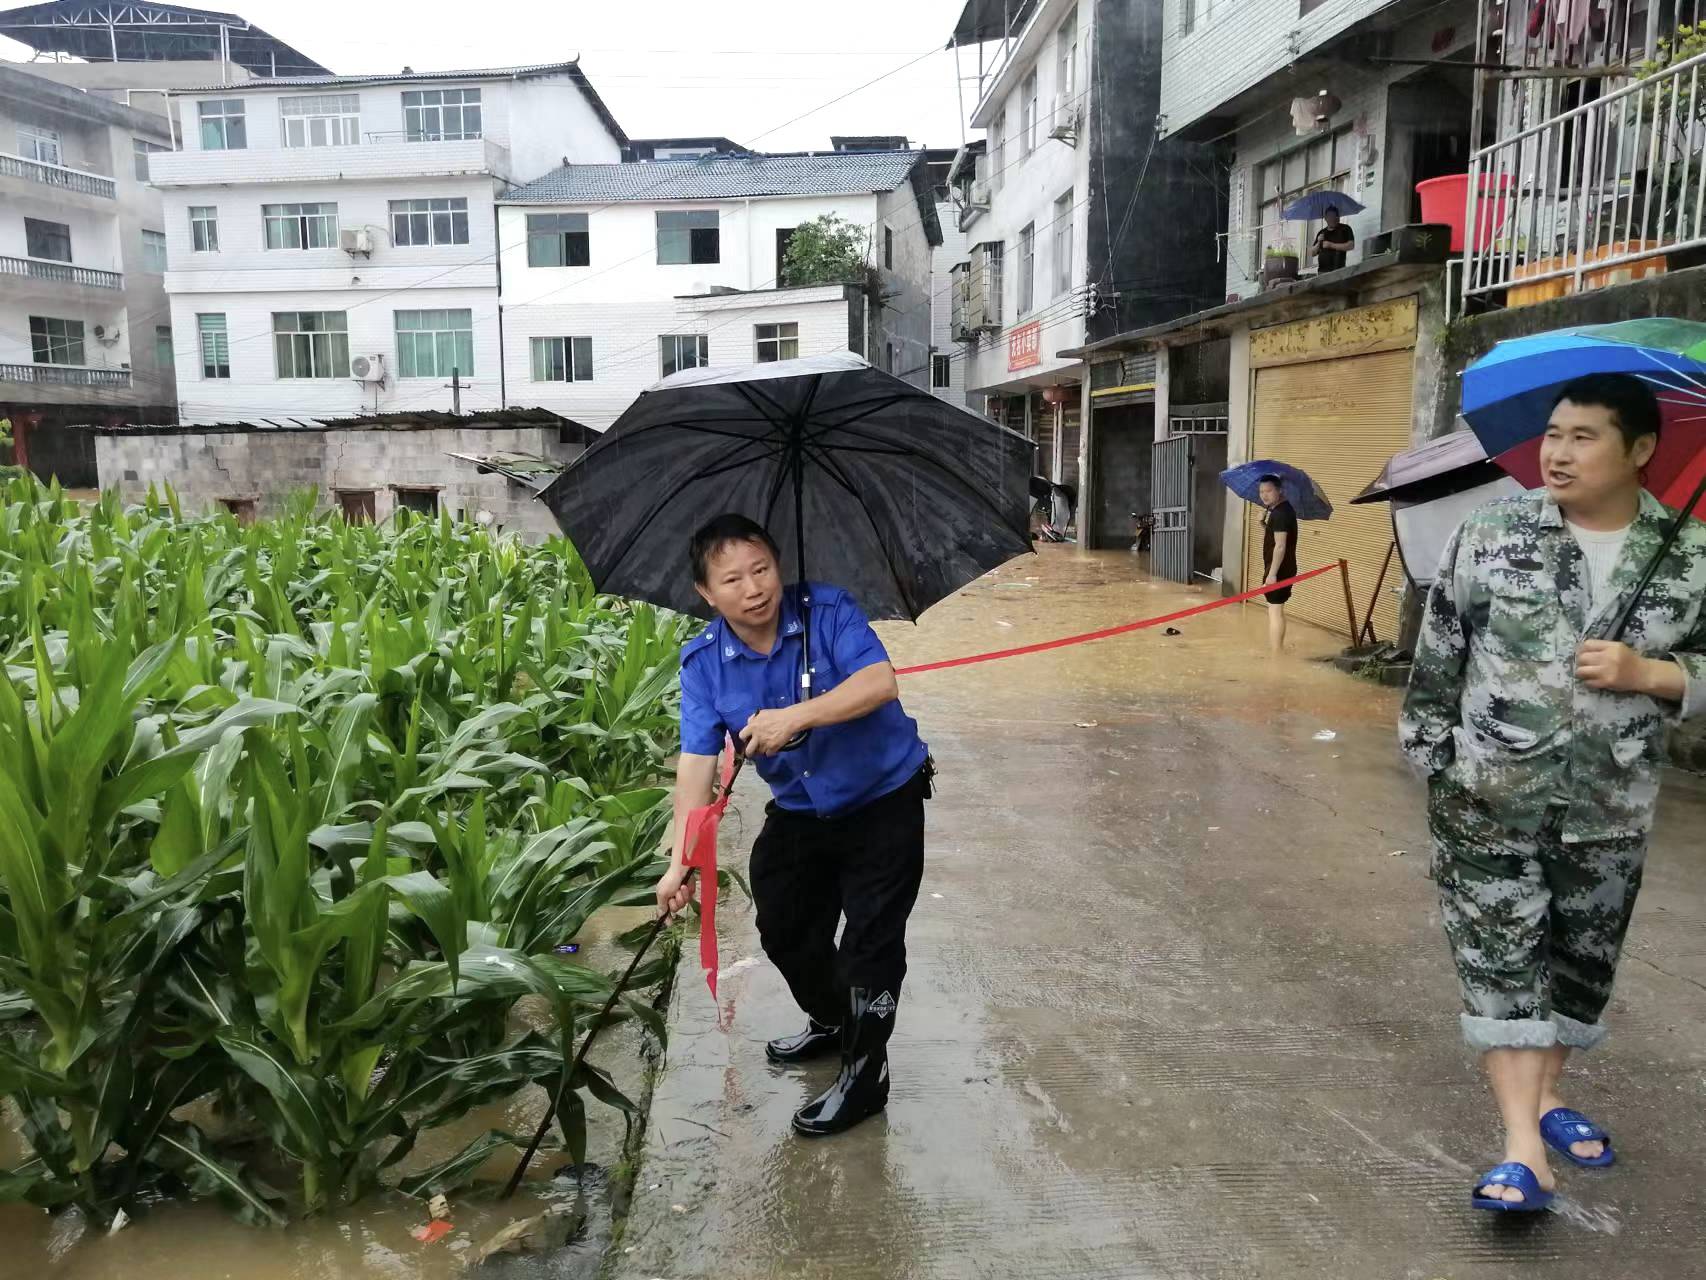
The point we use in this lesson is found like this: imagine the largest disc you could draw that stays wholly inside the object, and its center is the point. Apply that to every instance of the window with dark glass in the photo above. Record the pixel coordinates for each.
(558, 240)
(688, 236)
(50, 240)
(679, 351)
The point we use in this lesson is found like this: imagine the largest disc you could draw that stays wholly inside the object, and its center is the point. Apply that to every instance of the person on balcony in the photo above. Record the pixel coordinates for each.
(1332, 242)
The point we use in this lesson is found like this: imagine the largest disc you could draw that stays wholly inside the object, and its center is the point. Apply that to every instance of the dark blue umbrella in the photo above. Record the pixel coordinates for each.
(1314, 205)
(1303, 493)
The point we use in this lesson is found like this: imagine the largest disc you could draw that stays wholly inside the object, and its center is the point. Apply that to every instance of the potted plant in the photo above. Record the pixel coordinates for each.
(1278, 263)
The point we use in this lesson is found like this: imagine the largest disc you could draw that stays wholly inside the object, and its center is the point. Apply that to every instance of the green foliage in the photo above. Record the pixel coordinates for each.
(826, 250)
(291, 817)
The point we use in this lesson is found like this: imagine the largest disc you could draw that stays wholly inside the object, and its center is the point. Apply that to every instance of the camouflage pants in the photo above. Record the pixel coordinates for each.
(1535, 923)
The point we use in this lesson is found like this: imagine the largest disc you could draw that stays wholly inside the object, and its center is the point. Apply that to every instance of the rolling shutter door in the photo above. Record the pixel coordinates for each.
(1070, 437)
(1339, 420)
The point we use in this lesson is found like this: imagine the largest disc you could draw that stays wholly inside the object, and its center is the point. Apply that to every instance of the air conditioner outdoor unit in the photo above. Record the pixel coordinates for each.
(1064, 112)
(980, 194)
(355, 240)
(368, 368)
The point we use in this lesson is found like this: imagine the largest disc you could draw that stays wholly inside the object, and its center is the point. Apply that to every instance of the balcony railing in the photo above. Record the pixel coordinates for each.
(54, 175)
(64, 272)
(64, 375)
(1594, 195)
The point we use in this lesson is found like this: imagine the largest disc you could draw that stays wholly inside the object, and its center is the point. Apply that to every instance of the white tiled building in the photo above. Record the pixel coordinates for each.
(333, 243)
(615, 275)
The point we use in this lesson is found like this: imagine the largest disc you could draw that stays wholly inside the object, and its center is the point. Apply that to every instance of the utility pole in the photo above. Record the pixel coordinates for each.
(456, 392)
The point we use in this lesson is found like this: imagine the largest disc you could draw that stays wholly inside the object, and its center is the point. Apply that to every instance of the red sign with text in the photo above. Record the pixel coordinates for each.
(1025, 346)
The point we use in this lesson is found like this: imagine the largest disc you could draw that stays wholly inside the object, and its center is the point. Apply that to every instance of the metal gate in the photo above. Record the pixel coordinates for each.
(1170, 491)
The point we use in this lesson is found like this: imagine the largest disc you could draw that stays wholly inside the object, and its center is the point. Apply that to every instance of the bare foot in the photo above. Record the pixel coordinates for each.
(1581, 1150)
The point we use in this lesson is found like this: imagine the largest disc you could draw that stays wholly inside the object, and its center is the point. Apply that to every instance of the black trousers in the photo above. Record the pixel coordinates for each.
(807, 872)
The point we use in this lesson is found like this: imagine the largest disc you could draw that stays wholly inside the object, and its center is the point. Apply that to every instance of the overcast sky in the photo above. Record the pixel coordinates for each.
(739, 68)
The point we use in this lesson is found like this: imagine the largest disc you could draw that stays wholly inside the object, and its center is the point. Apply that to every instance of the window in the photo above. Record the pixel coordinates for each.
(54, 341)
(941, 371)
(204, 228)
(435, 344)
(688, 236)
(163, 357)
(215, 346)
(141, 150)
(778, 342)
(320, 120)
(1066, 62)
(224, 126)
(1323, 163)
(997, 151)
(1063, 245)
(153, 250)
(1027, 268)
(679, 351)
(50, 240)
(442, 115)
(891, 357)
(1028, 116)
(422, 502)
(38, 144)
(995, 279)
(311, 344)
(888, 248)
(1187, 16)
(242, 508)
(300, 226)
(358, 505)
(558, 240)
(562, 359)
(435, 221)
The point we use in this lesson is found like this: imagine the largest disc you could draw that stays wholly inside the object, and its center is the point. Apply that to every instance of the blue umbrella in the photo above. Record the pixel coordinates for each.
(1303, 493)
(1313, 205)
(1508, 393)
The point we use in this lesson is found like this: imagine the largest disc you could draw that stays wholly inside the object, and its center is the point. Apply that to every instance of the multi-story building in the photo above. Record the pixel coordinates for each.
(617, 274)
(1081, 221)
(334, 243)
(84, 327)
(947, 356)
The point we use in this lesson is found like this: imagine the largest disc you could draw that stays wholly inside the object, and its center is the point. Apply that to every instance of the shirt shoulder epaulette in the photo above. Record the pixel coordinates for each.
(698, 644)
(822, 596)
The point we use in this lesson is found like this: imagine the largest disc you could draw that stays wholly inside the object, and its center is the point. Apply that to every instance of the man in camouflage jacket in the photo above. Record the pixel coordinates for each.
(1542, 739)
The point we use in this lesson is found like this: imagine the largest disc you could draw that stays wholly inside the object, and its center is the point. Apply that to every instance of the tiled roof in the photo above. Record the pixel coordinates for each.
(722, 177)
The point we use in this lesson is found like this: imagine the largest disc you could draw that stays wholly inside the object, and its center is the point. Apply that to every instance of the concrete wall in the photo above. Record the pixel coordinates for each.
(903, 320)
(269, 466)
(143, 86)
(953, 250)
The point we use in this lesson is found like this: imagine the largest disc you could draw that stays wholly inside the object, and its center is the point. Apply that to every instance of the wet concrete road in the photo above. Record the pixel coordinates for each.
(1175, 1006)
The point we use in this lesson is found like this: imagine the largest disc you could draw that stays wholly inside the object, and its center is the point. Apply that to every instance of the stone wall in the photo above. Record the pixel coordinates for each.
(208, 468)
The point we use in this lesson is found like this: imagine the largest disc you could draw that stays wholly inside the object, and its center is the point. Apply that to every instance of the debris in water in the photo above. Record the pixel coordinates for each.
(935, 895)
(121, 1220)
(678, 1208)
(1326, 735)
(568, 949)
(1000, 623)
(432, 1232)
(438, 1207)
(1089, 724)
(542, 1233)
(1214, 828)
(1172, 631)
(1397, 853)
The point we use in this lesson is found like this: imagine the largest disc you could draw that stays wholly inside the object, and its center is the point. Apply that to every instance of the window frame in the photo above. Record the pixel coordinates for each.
(36, 229)
(1187, 16)
(140, 150)
(219, 348)
(342, 126)
(1026, 301)
(323, 345)
(776, 342)
(294, 214)
(997, 152)
(358, 506)
(1028, 89)
(556, 236)
(71, 339)
(1335, 179)
(204, 228)
(418, 359)
(415, 127)
(223, 122)
(1066, 60)
(672, 354)
(941, 372)
(888, 248)
(153, 251)
(163, 335)
(34, 140)
(1063, 247)
(404, 213)
(690, 237)
(569, 354)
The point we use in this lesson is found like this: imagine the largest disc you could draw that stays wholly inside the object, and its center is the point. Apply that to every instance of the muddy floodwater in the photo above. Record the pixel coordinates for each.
(182, 1240)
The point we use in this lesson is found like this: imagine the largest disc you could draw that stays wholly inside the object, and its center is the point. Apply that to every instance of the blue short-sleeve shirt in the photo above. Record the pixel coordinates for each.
(841, 767)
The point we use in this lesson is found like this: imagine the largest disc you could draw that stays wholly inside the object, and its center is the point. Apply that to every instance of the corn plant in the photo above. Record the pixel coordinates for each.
(291, 816)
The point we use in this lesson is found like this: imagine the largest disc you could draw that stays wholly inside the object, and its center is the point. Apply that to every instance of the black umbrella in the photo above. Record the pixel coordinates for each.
(865, 481)
(1443, 466)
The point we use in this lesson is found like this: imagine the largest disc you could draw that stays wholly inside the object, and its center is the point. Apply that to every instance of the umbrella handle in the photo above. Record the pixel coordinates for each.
(1665, 544)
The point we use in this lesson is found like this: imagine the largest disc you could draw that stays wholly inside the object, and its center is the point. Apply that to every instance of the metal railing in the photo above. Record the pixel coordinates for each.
(1581, 198)
(64, 272)
(55, 175)
(64, 375)
(422, 135)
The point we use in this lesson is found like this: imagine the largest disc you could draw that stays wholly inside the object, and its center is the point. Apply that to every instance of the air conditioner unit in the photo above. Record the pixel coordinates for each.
(980, 195)
(1064, 112)
(355, 240)
(368, 368)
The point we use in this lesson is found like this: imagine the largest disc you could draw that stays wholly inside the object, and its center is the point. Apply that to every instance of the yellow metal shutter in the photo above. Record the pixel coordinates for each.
(1339, 420)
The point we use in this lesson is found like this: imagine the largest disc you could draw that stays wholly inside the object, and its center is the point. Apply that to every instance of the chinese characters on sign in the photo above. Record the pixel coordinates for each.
(1025, 346)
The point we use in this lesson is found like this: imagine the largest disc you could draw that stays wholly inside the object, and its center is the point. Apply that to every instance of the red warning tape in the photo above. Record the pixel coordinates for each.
(1106, 632)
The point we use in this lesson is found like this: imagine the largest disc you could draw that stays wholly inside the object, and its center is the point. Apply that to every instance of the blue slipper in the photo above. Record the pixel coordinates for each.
(1520, 1176)
(1561, 1126)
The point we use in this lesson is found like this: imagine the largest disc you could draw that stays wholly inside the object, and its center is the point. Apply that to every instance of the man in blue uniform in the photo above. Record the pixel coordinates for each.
(844, 834)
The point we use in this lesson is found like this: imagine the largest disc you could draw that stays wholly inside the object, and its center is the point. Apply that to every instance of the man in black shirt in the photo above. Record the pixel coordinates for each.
(1331, 242)
(1279, 554)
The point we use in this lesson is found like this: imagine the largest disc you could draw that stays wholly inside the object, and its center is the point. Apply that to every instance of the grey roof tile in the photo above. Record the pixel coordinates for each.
(721, 177)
